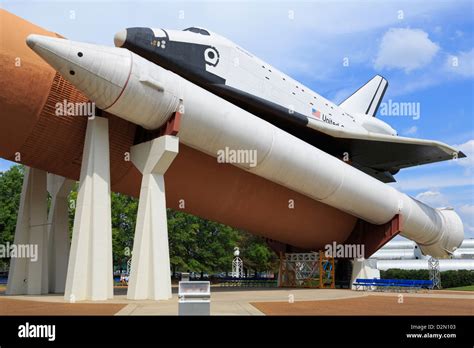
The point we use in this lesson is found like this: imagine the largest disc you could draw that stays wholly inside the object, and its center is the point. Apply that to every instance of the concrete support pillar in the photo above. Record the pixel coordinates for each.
(29, 275)
(90, 271)
(365, 269)
(58, 234)
(150, 276)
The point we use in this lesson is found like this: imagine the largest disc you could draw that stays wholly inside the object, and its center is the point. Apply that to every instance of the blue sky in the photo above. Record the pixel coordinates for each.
(423, 48)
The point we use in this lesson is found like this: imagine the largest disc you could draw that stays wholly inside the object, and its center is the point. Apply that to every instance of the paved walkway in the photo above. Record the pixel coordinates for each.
(224, 301)
(228, 301)
(236, 301)
(374, 304)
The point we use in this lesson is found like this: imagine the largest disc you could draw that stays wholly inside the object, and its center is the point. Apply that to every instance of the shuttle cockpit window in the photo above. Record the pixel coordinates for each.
(197, 31)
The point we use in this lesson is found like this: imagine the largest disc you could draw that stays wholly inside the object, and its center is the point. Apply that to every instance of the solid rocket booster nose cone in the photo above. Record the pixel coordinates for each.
(52, 50)
(100, 72)
(36, 42)
(31, 40)
(120, 37)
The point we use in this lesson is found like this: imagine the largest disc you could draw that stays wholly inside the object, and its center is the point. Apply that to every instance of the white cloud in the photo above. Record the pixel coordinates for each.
(466, 212)
(448, 67)
(468, 162)
(312, 45)
(467, 148)
(353, 14)
(404, 48)
(434, 181)
(468, 230)
(461, 64)
(467, 209)
(427, 194)
(433, 198)
(411, 131)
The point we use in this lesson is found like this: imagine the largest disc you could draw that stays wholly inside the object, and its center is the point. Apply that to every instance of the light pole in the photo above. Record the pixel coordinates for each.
(237, 265)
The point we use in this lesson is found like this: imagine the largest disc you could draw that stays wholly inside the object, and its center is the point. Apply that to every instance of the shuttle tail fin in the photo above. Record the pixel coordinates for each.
(366, 99)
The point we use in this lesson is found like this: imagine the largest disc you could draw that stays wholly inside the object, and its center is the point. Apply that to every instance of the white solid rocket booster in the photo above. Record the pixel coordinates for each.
(141, 92)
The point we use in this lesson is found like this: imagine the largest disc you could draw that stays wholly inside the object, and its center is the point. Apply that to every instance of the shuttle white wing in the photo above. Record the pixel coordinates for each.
(388, 152)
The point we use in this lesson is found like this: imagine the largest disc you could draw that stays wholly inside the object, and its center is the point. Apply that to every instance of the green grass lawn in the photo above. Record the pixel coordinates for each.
(463, 288)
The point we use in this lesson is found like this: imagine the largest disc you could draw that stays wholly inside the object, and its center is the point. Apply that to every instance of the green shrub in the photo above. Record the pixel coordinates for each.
(449, 279)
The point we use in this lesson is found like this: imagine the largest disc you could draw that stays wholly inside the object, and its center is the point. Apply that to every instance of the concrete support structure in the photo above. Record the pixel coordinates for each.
(150, 276)
(373, 236)
(90, 271)
(29, 275)
(366, 269)
(58, 231)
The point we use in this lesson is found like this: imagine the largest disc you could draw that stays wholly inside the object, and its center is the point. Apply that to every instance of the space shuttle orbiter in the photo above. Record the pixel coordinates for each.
(236, 75)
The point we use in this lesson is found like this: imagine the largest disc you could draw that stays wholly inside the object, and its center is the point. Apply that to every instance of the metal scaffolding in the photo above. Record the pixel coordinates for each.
(326, 271)
(435, 275)
(306, 270)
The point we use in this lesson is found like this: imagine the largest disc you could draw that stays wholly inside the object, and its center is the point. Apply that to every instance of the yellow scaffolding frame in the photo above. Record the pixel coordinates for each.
(306, 270)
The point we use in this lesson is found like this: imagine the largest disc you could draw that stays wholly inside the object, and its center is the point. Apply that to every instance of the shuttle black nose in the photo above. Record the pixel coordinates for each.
(120, 38)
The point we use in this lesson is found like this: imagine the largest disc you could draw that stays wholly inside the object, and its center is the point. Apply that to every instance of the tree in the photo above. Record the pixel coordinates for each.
(256, 254)
(124, 212)
(182, 230)
(196, 244)
(449, 279)
(10, 191)
(72, 199)
(199, 245)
